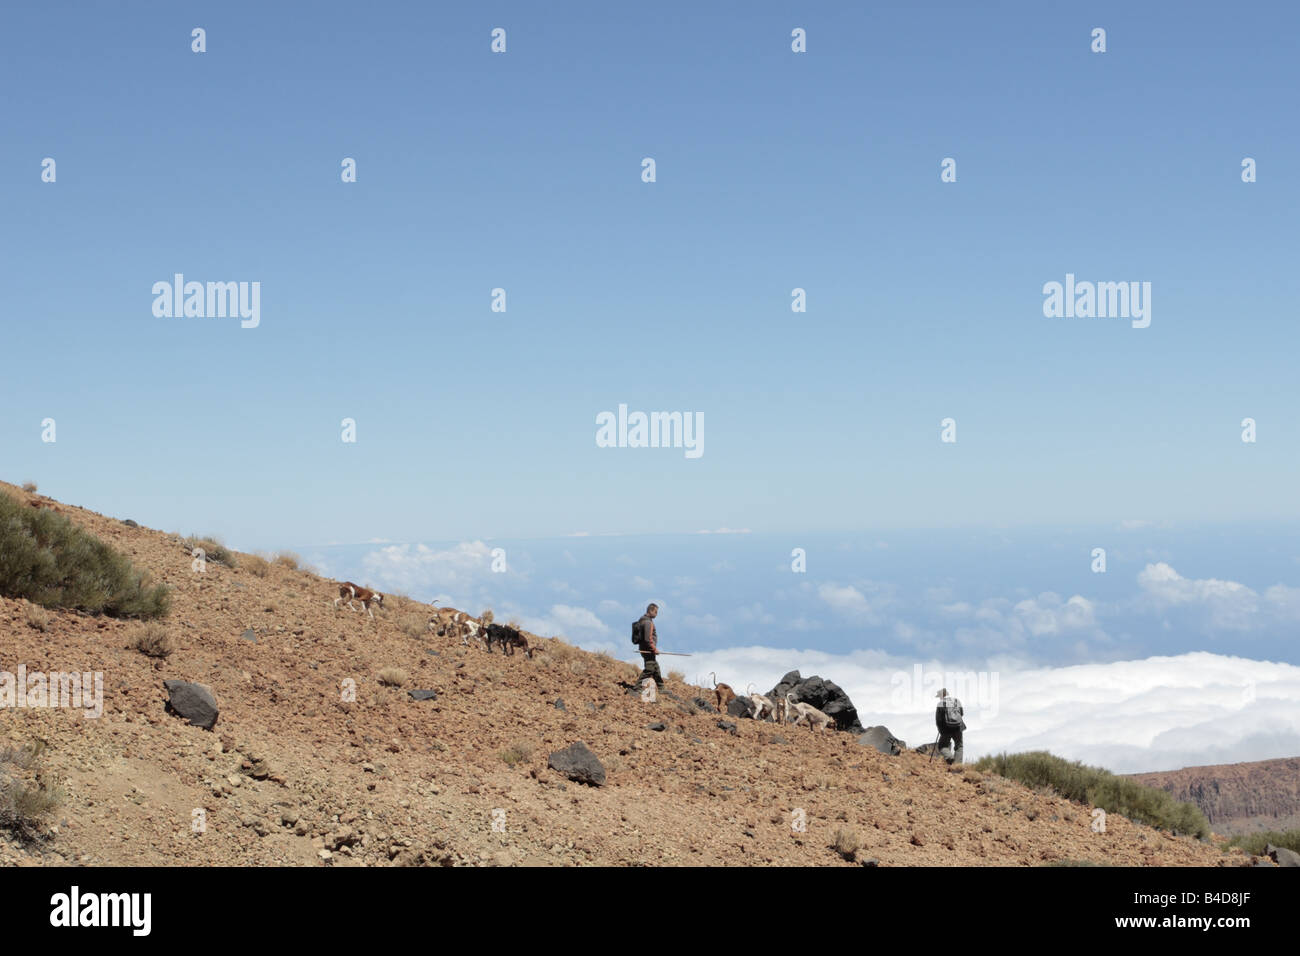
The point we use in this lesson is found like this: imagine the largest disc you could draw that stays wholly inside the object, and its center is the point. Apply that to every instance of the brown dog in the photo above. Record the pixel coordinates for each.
(722, 693)
(350, 592)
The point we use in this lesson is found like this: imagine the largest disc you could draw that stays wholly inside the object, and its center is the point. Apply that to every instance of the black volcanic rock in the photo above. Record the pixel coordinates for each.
(826, 696)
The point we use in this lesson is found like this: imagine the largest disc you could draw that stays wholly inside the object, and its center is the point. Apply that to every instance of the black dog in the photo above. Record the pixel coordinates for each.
(509, 638)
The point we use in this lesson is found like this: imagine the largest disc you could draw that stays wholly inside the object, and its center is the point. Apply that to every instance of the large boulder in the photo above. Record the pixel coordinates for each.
(578, 763)
(194, 702)
(739, 707)
(1282, 856)
(826, 696)
(882, 740)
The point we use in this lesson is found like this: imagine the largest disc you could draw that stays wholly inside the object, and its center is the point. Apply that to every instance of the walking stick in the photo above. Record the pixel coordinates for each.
(934, 748)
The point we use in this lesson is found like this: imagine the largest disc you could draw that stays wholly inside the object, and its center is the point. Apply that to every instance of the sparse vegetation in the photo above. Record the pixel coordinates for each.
(413, 626)
(29, 487)
(1255, 843)
(393, 677)
(213, 550)
(287, 559)
(1101, 788)
(152, 640)
(487, 617)
(37, 618)
(255, 564)
(846, 842)
(1072, 863)
(26, 799)
(48, 560)
(518, 752)
(677, 676)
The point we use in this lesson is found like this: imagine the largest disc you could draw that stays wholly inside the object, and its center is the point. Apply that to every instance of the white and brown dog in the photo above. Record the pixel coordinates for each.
(807, 714)
(354, 592)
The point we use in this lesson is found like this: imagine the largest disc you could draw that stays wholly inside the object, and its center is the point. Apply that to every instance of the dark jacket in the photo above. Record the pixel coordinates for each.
(649, 638)
(942, 724)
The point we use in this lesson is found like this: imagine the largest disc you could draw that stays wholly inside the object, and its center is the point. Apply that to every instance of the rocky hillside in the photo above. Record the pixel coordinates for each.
(298, 771)
(1238, 798)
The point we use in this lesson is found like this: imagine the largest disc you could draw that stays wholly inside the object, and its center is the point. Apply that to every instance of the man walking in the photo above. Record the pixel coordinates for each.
(948, 718)
(648, 642)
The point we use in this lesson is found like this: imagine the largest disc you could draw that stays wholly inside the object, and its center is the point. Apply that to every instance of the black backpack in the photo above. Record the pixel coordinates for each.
(638, 631)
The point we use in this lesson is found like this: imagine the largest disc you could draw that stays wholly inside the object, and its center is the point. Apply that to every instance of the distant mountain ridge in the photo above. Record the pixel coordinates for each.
(1238, 798)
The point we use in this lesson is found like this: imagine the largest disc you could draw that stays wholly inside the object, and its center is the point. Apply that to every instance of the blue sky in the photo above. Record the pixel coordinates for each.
(775, 170)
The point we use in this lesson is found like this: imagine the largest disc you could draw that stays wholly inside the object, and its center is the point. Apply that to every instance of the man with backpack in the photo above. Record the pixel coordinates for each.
(646, 639)
(948, 718)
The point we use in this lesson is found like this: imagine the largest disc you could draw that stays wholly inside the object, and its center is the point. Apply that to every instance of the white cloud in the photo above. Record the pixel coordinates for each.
(1046, 614)
(1230, 605)
(574, 623)
(1159, 713)
(456, 573)
(851, 603)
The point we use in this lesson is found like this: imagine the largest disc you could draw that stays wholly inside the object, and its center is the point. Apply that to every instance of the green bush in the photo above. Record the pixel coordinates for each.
(1100, 788)
(48, 560)
(1254, 843)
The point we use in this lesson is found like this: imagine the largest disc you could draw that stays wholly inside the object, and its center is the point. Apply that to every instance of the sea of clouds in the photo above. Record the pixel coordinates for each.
(1152, 670)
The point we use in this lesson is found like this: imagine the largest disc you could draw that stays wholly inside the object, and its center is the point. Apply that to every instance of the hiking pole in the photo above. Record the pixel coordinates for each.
(934, 748)
(673, 654)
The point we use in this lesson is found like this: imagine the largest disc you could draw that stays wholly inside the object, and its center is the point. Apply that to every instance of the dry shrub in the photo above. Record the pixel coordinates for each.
(518, 752)
(677, 676)
(487, 617)
(255, 564)
(37, 619)
(23, 804)
(847, 842)
(213, 550)
(287, 559)
(152, 640)
(414, 627)
(577, 666)
(393, 677)
(29, 487)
